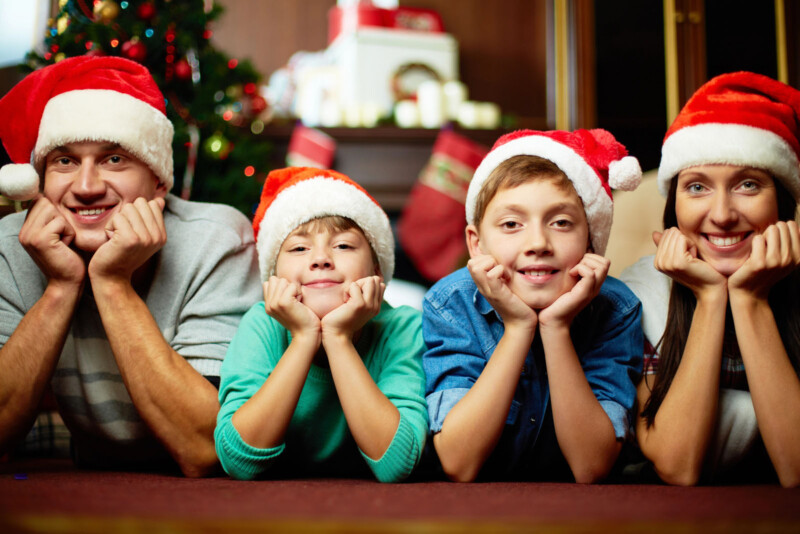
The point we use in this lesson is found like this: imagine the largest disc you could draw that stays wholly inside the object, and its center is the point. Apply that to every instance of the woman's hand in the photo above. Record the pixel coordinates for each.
(774, 254)
(676, 257)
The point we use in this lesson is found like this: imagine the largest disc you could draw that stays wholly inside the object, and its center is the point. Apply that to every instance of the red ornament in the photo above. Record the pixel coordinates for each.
(135, 50)
(257, 104)
(146, 11)
(183, 71)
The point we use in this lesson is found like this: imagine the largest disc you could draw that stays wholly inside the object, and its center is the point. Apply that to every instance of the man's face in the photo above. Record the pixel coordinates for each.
(89, 182)
(537, 231)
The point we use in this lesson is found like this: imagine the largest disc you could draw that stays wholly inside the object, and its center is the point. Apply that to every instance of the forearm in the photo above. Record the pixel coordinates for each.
(371, 417)
(584, 431)
(175, 401)
(29, 357)
(474, 425)
(678, 440)
(773, 383)
(263, 419)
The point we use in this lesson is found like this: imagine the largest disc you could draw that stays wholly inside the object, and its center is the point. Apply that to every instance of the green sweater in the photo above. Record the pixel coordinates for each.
(318, 441)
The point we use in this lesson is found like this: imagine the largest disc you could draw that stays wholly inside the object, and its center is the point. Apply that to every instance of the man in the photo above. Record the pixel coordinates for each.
(119, 295)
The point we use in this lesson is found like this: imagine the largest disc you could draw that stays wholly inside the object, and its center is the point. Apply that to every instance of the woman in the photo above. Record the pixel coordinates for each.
(720, 298)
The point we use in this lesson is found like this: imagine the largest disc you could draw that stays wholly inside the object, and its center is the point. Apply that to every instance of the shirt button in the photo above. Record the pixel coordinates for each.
(524, 369)
(533, 420)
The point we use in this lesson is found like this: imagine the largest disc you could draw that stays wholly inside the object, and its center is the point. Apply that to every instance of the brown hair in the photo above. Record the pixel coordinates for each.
(333, 224)
(516, 171)
(682, 303)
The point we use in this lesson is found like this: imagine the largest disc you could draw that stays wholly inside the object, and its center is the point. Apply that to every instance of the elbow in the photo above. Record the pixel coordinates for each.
(678, 475)
(789, 478)
(590, 476)
(201, 465)
(463, 474)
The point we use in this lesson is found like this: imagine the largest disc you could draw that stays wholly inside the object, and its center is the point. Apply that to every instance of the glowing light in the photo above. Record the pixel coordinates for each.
(216, 145)
(88, 45)
(228, 115)
(170, 36)
(250, 88)
(123, 5)
(257, 126)
(207, 34)
(218, 96)
(149, 32)
(114, 43)
(249, 170)
(232, 63)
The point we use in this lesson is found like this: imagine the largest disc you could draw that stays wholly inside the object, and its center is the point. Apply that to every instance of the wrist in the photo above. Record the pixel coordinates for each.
(61, 292)
(332, 340)
(740, 298)
(109, 287)
(713, 296)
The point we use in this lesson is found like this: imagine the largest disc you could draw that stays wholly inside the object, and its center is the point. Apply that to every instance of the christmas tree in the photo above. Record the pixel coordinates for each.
(212, 99)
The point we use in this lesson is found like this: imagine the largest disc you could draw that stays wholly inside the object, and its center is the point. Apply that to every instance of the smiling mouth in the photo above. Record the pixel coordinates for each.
(85, 212)
(538, 272)
(725, 241)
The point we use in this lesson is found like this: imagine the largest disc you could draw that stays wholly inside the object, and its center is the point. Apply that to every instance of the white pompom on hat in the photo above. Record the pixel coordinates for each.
(108, 99)
(593, 160)
(297, 195)
(741, 119)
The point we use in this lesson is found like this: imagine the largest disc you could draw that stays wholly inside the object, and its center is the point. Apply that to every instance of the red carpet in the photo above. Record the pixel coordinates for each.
(52, 496)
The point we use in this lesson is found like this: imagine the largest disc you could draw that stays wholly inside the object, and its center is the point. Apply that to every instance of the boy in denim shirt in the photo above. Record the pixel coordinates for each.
(533, 352)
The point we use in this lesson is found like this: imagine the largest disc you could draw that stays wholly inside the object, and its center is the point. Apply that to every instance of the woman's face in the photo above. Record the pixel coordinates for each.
(720, 208)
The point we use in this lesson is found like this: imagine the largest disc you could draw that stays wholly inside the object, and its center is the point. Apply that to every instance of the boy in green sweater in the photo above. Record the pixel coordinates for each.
(323, 378)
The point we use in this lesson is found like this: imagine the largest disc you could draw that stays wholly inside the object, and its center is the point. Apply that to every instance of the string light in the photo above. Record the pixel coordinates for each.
(249, 170)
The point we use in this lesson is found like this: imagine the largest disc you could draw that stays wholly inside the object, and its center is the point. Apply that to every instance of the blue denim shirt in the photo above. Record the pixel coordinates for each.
(461, 331)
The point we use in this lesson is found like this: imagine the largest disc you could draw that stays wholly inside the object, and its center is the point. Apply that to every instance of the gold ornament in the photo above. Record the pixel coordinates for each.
(62, 23)
(106, 11)
(59, 56)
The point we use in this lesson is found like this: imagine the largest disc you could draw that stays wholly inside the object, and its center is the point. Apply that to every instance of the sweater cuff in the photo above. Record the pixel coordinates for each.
(400, 457)
(239, 459)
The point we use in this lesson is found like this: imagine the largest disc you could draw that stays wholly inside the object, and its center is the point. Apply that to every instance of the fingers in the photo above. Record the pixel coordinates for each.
(657, 237)
(141, 222)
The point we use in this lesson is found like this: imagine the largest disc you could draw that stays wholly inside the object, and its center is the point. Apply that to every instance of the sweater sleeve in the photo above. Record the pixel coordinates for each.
(398, 349)
(253, 352)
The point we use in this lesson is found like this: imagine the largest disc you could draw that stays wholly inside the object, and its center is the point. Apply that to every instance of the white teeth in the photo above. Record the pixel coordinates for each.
(91, 212)
(538, 273)
(724, 241)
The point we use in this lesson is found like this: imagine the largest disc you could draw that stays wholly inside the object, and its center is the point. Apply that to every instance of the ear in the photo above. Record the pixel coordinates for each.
(161, 190)
(473, 241)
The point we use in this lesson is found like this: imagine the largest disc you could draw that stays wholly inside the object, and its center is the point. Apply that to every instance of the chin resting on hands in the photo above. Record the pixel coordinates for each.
(134, 234)
(363, 302)
(492, 280)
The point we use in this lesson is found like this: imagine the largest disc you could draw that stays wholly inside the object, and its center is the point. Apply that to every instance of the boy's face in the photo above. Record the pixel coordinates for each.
(537, 231)
(89, 182)
(323, 264)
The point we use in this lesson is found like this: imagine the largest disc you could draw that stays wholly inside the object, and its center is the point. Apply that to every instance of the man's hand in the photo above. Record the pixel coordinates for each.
(492, 281)
(134, 235)
(283, 302)
(676, 257)
(592, 271)
(773, 256)
(364, 298)
(46, 236)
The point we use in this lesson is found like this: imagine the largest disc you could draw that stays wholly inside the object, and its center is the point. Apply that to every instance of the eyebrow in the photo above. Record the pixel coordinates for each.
(66, 149)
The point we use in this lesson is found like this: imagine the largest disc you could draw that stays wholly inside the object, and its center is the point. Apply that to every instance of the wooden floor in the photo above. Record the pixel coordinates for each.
(51, 496)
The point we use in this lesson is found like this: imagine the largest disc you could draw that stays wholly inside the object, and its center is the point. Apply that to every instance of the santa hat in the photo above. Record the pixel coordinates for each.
(82, 99)
(592, 159)
(742, 119)
(296, 195)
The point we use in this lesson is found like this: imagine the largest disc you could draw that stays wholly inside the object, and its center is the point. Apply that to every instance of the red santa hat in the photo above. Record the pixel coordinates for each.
(82, 99)
(296, 195)
(593, 160)
(742, 119)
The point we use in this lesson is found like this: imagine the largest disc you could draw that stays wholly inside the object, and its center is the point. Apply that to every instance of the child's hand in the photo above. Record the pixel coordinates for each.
(364, 299)
(677, 258)
(773, 256)
(592, 271)
(283, 302)
(492, 281)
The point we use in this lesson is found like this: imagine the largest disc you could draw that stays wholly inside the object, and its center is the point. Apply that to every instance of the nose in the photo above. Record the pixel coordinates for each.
(723, 212)
(321, 259)
(537, 241)
(88, 184)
